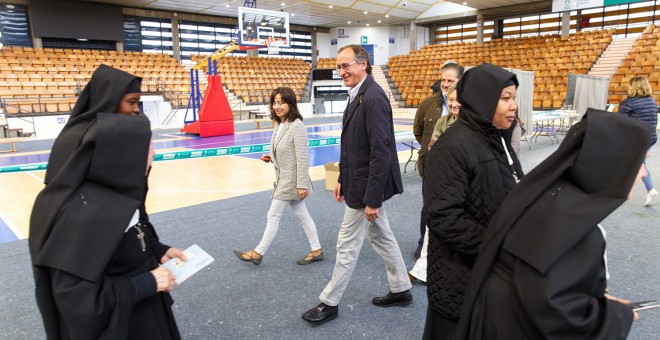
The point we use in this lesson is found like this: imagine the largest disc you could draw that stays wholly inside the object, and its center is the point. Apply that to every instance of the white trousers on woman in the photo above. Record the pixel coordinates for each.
(273, 223)
(354, 229)
(419, 270)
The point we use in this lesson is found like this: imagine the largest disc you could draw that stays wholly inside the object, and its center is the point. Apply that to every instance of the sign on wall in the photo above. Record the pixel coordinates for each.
(569, 5)
(364, 39)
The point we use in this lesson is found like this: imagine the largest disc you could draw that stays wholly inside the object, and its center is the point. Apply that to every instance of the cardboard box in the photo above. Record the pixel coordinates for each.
(331, 175)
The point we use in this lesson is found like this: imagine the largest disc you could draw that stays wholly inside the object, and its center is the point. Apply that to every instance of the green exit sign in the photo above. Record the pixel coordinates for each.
(364, 39)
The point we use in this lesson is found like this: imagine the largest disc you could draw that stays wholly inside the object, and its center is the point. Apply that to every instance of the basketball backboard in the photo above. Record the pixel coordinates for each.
(256, 25)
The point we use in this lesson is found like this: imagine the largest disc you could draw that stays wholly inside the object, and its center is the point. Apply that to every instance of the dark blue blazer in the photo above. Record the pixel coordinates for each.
(369, 171)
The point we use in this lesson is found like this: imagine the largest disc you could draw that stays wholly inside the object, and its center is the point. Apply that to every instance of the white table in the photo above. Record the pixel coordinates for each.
(544, 123)
(408, 139)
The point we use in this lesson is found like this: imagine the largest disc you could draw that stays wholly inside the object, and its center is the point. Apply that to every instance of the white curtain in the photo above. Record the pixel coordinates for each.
(590, 91)
(524, 95)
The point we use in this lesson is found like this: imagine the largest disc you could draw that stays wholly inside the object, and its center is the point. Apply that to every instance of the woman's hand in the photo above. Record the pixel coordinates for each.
(622, 301)
(302, 193)
(164, 279)
(172, 253)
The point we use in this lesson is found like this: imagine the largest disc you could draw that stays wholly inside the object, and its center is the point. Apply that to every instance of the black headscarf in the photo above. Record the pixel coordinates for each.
(80, 216)
(591, 173)
(103, 93)
(480, 89)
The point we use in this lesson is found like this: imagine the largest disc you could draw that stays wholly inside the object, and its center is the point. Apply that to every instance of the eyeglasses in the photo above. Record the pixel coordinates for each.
(345, 66)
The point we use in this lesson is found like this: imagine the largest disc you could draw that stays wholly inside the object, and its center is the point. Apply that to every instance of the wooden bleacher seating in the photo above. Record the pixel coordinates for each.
(549, 56)
(48, 80)
(254, 78)
(324, 63)
(643, 60)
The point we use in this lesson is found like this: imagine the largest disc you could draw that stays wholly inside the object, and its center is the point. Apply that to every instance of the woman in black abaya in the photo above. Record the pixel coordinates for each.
(541, 270)
(95, 255)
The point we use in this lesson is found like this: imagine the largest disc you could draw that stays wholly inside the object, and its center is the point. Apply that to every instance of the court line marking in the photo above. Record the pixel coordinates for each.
(12, 227)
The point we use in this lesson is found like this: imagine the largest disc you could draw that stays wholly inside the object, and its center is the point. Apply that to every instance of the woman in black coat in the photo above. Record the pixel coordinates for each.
(470, 170)
(95, 255)
(541, 270)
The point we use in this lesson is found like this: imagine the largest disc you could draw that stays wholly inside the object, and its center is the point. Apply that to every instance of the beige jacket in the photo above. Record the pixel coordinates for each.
(288, 152)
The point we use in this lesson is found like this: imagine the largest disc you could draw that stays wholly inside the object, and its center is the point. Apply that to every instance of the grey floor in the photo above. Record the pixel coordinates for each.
(237, 300)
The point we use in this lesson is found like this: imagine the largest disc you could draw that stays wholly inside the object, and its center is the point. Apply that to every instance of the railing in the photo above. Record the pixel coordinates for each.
(38, 104)
(169, 94)
(5, 105)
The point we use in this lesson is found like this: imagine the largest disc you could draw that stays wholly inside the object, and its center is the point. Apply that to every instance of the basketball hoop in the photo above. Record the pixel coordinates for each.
(274, 44)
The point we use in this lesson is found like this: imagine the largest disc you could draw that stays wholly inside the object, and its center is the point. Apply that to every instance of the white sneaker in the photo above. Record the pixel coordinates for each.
(651, 198)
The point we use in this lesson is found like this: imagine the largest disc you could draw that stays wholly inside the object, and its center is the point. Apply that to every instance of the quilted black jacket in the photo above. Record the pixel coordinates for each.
(467, 177)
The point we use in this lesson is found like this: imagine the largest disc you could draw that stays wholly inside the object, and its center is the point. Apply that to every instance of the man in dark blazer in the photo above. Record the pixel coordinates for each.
(369, 174)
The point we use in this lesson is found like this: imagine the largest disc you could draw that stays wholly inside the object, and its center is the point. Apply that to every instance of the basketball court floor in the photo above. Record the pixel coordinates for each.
(189, 181)
(220, 204)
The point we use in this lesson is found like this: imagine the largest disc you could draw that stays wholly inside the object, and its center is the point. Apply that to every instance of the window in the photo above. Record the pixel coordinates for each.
(14, 26)
(204, 38)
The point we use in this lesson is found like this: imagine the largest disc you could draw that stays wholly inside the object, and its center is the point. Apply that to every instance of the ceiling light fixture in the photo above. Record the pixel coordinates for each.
(464, 3)
(367, 25)
(387, 15)
(227, 5)
(379, 21)
(348, 22)
(330, 6)
(282, 4)
(365, 12)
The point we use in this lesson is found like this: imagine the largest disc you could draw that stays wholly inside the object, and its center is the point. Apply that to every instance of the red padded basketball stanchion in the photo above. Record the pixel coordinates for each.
(215, 115)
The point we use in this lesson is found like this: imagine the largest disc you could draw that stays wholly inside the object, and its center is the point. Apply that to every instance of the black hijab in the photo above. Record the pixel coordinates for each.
(80, 216)
(479, 91)
(103, 93)
(563, 198)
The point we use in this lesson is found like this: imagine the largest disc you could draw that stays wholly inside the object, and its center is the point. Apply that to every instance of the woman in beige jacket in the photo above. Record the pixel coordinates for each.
(288, 153)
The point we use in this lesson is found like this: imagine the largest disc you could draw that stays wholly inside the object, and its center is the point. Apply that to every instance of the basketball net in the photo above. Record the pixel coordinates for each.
(274, 44)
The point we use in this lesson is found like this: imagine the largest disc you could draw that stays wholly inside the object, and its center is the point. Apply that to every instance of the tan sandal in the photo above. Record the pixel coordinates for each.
(311, 257)
(249, 256)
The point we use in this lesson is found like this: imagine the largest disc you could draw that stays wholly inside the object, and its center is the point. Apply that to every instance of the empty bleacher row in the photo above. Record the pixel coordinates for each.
(326, 63)
(551, 57)
(48, 80)
(252, 79)
(643, 60)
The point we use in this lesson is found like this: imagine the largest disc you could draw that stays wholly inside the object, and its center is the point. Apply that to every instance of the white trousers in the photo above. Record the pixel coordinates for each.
(273, 223)
(354, 229)
(419, 270)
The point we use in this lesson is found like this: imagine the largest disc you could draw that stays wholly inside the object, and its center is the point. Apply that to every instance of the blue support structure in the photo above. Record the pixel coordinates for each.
(195, 99)
(192, 100)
